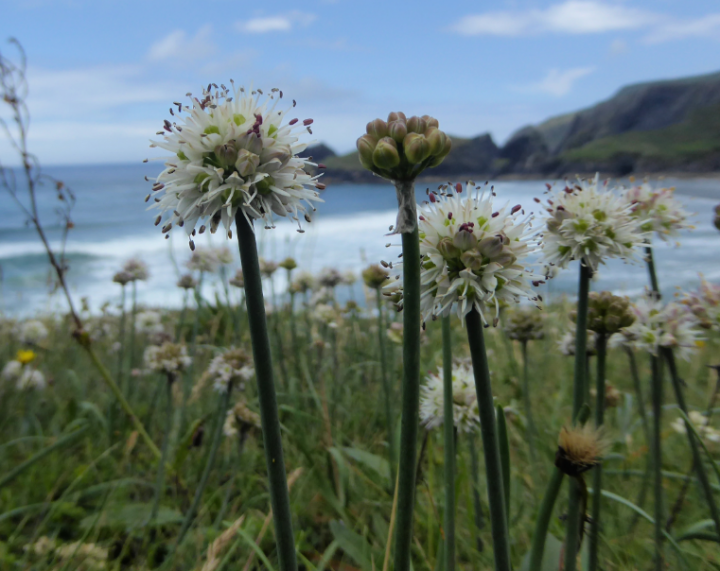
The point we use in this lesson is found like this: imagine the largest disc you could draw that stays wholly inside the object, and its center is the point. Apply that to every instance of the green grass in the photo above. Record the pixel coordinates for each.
(694, 138)
(100, 487)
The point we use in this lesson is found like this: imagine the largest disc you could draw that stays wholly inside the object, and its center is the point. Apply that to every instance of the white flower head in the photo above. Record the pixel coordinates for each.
(659, 210)
(230, 151)
(31, 379)
(224, 256)
(466, 415)
(203, 260)
(136, 270)
(588, 223)
(474, 254)
(169, 358)
(705, 304)
(240, 419)
(32, 332)
(11, 371)
(701, 424)
(232, 365)
(149, 322)
(656, 325)
(566, 344)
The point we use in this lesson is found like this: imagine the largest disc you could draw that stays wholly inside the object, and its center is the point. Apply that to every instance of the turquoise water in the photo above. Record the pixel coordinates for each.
(349, 232)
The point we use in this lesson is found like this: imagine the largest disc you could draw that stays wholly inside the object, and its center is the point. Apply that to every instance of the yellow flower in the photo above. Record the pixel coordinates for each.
(26, 357)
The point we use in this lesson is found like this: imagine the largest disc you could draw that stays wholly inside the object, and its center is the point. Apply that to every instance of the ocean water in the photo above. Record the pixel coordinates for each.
(350, 230)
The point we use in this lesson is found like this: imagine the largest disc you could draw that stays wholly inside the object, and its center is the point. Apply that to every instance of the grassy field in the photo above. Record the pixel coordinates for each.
(99, 487)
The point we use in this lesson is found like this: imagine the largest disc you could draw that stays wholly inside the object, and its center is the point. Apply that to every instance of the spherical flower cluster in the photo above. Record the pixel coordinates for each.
(326, 313)
(473, 254)
(240, 419)
(700, 422)
(705, 305)
(169, 358)
(466, 415)
(203, 260)
(268, 267)
(186, 281)
(375, 276)
(607, 313)
(659, 210)
(523, 324)
(31, 332)
(149, 322)
(589, 224)
(230, 366)
(20, 372)
(658, 326)
(303, 283)
(329, 278)
(238, 280)
(136, 269)
(288, 264)
(233, 152)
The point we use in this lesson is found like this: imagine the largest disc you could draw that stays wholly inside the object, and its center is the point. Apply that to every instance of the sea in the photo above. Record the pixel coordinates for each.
(350, 230)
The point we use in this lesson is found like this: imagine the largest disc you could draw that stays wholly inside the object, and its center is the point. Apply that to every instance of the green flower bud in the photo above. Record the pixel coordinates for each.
(288, 264)
(491, 247)
(398, 131)
(416, 125)
(246, 163)
(524, 324)
(397, 116)
(447, 249)
(365, 146)
(472, 259)
(385, 155)
(439, 158)
(608, 313)
(377, 128)
(417, 148)
(464, 240)
(374, 276)
(431, 121)
(436, 138)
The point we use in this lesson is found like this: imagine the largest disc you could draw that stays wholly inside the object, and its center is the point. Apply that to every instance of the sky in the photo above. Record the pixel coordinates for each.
(103, 73)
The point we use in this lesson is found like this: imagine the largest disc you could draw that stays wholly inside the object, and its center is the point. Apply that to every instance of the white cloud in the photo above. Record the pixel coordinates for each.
(569, 17)
(277, 23)
(707, 26)
(178, 46)
(558, 82)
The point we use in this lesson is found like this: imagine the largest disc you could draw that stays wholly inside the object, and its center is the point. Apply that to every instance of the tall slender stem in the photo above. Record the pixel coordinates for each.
(387, 392)
(651, 270)
(449, 432)
(528, 405)
(537, 548)
(575, 519)
(475, 485)
(160, 481)
(488, 428)
(657, 401)
(217, 437)
(411, 377)
(697, 459)
(272, 437)
(601, 345)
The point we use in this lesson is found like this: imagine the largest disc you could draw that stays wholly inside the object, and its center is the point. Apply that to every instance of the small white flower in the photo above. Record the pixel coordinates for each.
(31, 379)
(231, 151)
(326, 314)
(659, 210)
(32, 332)
(203, 260)
(233, 365)
(466, 415)
(149, 322)
(705, 304)
(657, 325)
(590, 224)
(267, 267)
(701, 424)
(136, 270)
(473, 254)
(12, 371)
(169, 358)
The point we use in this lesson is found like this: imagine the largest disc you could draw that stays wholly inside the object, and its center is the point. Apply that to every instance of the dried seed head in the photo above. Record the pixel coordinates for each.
(579, 449)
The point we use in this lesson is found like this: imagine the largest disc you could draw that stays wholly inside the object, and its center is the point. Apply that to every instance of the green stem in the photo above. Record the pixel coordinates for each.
(217, 437)
(597, 471)
(105, 374)
(651, 270)
(543, 521)
(657, 401)
(410, 385)
(160, 482)
(262, 356)
(389, 419)
(475, 483)
(528, 405)
(62, 442)
(575, 518)
(449, 432)
(697, 459)
(488, 428)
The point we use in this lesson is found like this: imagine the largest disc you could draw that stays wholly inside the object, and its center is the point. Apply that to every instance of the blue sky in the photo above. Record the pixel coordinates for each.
(103, 73)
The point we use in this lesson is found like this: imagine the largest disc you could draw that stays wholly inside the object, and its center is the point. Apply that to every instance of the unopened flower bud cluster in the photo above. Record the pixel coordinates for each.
(523, 324)
(607, 313)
